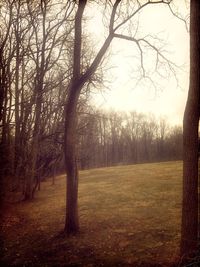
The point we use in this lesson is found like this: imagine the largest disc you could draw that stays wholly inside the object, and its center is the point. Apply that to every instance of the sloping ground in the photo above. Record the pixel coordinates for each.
(129, 216)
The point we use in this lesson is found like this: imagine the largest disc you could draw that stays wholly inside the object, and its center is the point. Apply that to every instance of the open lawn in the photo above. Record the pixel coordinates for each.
(129, 216)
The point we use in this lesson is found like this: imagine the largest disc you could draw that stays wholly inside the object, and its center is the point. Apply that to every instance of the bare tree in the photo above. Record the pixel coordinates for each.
(7, 51)
(45, 52)
(189, 231)
(117, 21)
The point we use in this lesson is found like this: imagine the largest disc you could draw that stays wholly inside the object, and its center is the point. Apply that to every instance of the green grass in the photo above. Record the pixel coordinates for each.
(129, 216)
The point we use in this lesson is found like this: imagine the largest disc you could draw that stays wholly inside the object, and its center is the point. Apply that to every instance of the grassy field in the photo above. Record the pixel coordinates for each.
(129, 216)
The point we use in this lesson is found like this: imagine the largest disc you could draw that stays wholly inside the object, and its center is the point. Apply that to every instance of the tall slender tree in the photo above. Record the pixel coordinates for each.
(81, 77)
(189, 232)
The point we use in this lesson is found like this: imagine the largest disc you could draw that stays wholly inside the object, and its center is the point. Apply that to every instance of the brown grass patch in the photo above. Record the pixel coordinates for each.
(129, 216)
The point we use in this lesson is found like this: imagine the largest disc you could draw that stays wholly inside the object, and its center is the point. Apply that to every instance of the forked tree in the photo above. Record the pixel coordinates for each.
(189, 233)
(118, 20)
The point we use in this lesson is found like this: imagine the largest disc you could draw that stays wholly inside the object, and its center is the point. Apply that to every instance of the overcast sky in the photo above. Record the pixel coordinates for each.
(165, 97)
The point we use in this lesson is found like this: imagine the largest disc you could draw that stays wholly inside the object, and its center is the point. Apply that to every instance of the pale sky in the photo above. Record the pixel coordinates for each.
(164, 98)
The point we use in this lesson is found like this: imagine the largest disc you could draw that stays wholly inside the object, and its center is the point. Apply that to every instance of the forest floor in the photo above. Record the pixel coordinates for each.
(129, 216)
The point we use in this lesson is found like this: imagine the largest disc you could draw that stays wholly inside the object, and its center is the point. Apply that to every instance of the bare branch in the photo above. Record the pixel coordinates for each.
(179, 17)
(140, 7)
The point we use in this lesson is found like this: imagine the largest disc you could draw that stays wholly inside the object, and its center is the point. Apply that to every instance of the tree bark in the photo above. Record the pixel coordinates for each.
(72, 220)
(30, 189)
(189, 231)
(17, 100)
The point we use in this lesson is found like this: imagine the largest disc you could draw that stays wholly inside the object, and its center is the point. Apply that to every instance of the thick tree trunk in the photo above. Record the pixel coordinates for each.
(189, 231)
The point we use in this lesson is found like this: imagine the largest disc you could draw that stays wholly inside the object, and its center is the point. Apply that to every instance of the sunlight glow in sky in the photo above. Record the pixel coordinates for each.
(163, 98)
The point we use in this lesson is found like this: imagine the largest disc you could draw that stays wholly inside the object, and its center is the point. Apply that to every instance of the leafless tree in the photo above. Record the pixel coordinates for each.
(7, 51)
(118, 20)
(189, 233)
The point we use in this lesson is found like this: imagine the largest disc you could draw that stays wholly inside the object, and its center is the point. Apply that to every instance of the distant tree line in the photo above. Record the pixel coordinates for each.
(112, 138)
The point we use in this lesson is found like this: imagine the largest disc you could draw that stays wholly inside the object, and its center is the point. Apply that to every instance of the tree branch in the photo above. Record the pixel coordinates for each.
(140, 8)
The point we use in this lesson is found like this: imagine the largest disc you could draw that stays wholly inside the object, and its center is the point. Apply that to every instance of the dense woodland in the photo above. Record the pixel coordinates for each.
(35, 73)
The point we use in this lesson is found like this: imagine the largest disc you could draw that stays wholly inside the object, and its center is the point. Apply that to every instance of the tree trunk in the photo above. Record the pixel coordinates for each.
(17, 117)
(189, 231)
(72, 220)
(77, 83)
(39, 84)
(30, 189)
